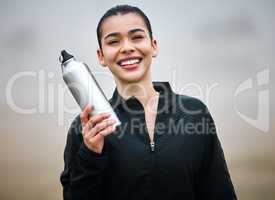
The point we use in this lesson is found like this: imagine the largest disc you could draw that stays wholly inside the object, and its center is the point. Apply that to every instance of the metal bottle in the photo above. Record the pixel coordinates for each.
(84, 86)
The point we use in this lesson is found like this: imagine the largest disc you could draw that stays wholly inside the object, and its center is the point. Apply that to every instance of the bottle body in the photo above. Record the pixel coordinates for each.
(85, 88)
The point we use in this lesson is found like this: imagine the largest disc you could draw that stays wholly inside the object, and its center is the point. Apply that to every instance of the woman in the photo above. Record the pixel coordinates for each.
(166, 146)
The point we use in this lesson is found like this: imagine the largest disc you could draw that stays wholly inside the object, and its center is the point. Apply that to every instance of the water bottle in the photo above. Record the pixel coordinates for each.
(84, 86)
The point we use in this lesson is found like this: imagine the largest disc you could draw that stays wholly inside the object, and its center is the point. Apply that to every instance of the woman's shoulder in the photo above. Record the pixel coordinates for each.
(190, 103)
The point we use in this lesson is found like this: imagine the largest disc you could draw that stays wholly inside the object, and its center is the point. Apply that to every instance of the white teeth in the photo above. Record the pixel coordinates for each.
(130, 62)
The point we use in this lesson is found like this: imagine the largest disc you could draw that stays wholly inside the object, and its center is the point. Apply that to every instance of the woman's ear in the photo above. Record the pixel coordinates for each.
(100, 57)
(155, 48)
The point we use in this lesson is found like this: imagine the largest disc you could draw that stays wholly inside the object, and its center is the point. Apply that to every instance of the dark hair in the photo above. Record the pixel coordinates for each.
(122, 9)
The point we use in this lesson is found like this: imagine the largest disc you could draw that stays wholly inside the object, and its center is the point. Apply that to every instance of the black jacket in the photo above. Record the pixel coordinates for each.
(185, 160)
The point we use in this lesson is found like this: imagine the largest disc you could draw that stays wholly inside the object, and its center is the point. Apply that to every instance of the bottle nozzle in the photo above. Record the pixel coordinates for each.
(65, 56)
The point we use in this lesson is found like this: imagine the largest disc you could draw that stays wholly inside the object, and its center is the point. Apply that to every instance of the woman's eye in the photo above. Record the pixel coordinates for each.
(137, 37)
(113, 42)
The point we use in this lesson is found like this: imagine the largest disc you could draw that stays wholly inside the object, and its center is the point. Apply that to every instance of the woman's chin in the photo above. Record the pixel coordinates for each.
(132, 78)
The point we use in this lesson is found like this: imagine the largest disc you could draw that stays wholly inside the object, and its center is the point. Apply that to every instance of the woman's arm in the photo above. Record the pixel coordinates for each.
(215, 182)
(82, 177)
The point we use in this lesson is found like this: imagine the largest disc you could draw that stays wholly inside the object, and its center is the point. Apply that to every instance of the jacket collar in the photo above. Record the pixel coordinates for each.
(165, 100)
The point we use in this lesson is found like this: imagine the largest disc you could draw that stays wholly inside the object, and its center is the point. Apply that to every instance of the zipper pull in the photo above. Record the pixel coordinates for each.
(152, 145)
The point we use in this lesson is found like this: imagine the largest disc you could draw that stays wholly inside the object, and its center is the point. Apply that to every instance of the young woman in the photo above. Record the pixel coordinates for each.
(166, 146)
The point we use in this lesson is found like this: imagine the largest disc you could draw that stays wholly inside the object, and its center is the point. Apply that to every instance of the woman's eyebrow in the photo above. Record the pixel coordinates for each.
(136, 30)
(111, 35)
(115, 34)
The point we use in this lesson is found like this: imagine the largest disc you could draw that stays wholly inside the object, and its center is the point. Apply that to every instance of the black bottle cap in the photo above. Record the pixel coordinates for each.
(65, 56)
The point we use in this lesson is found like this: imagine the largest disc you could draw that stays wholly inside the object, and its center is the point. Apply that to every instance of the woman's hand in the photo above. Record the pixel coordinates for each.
(95, 128)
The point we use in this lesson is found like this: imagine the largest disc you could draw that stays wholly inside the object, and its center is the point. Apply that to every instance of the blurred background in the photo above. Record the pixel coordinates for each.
(221, 52)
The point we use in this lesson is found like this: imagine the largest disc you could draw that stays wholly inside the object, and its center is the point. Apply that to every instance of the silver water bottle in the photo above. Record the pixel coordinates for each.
(84, 86)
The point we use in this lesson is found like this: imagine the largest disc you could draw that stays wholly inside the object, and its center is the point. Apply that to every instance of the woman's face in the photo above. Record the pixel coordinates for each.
(127, 48)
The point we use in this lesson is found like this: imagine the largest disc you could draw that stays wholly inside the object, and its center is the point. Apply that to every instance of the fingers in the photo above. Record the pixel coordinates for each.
(105, 127)
(84, 116)
(98, 118)
(100, 135)
(107, 131)
(93, 121)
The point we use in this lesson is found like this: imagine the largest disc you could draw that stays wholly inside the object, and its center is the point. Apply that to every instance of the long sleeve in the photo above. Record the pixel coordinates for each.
(82, 177)
(215, 182)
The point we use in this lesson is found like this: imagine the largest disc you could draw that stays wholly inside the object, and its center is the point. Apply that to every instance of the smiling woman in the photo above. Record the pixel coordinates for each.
(127, 48)
(166, 146)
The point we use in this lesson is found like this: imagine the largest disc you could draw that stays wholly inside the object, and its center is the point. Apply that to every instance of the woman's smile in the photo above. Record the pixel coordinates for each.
(130, 63)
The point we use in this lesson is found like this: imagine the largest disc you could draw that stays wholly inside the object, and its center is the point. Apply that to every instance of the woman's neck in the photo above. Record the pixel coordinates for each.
(144, 91)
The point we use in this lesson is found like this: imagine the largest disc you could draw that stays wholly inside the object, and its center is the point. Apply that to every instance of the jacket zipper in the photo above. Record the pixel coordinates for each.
(152, 146)
(152, 142)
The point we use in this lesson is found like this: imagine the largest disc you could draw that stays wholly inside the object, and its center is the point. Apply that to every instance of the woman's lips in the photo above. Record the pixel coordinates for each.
(130, 67)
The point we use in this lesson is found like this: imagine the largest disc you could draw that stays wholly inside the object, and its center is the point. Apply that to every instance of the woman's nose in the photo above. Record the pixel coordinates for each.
(127, 47)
